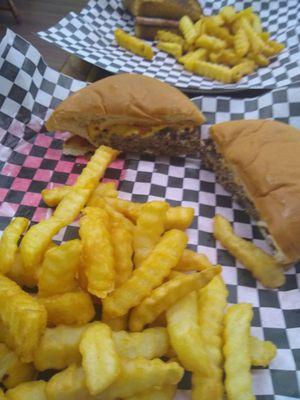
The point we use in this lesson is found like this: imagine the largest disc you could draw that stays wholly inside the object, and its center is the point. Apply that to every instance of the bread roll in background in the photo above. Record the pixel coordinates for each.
(258, 161)
(131, 113)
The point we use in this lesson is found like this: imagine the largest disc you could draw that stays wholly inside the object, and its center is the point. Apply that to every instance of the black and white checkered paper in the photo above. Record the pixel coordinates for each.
(31, 159)
(90, 35)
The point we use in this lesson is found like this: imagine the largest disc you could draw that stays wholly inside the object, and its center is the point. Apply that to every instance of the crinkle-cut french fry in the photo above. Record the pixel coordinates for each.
(19, 373)
(133, 44)
(130, 209)
(174, 49)
(164, 393)
(245, 13)
(71, 308)
(136, 376)
(59, 347)
(179, 218)
(116, 324)
(167, 36)
(168, 294)
(265, 36)
(24, 317)
(212, 301)
(185, 335)
(237, 353)
(259, 59)
(103, 190)
(150, 225)
(69, 384)
(12, 370)
(59, 269)
(256, 43)
(228, 13)
(187, 29)
(54, 196)
(100, 360)
(241, 43)
(22, 277)
(122, 241)
(2, 396)
(98, 263)
(200, 27)
(199, 54)
(117, 218)
(210, 42)
(262, 352)
(38, 237)
(262, 266)
(244, 68)
(9, 242)
(227, 57)
(213, 71)
(28, 391)
(277, 47)
(150, 343)
(256, 23)
(149, 275)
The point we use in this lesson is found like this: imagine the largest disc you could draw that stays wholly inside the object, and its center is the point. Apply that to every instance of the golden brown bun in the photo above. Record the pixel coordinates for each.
(265, 157)
(126, 99)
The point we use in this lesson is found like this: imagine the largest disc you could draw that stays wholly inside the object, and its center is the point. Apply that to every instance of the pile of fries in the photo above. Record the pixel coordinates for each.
(224, 47)
(104, 309)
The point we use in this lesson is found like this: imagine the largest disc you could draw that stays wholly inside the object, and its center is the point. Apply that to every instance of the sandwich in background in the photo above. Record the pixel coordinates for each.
(131, 113)
(258, 162)
(154, 15)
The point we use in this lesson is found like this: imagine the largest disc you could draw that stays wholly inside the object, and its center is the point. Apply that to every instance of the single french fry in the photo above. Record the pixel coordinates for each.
(149, 275)
(21, 276)
(116, 324)
(237, 353)
(256, 23)
(59, 347)
(150, 226)
(9, 242)
(210, 42)
(212, 300)
(179, 218)
(219, 32)
(18, 373)
(130, 209)
(262, 266)
(23, 316)
(228, 13)
(260, 59)
(227, 57)
(100, 360)
(27, 391)
(262, 352)
(97, 252)
(174, 49)
(150, 343)
(188, 30)
(2, 396)
(59, 269)
(136, 376)
(38, 237)
(103, 190)
(122, 242)
(163, 297)
(256, 43)
(185, 335)
(54, 196)
(192, 261)
(199, 54)
(213, 71)
(133, 44)
(244, 68)
(71, 308)
(241, 43)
